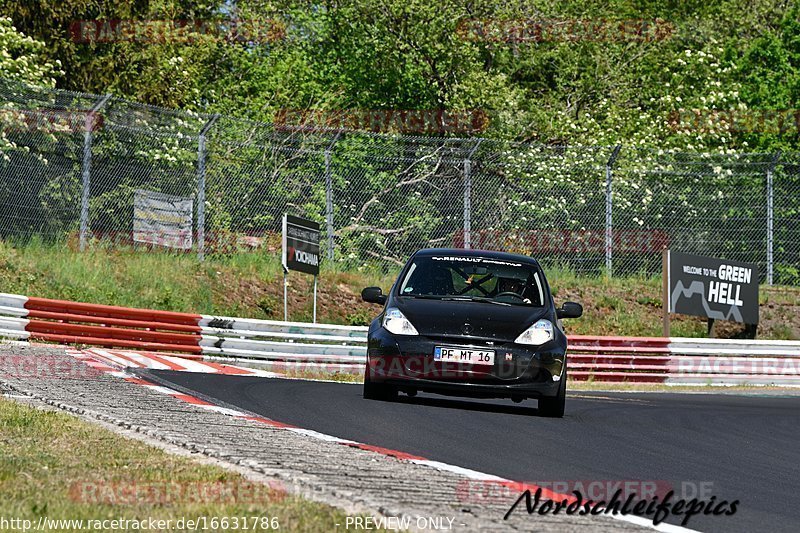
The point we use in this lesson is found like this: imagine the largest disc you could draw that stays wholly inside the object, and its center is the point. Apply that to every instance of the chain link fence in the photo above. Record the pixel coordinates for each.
(84, 168)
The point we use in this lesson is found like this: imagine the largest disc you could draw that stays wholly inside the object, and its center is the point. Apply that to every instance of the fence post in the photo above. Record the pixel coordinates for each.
(770, 218)
(468, 196)
(201, 187)
(329, 196)
(609, 208)
(467, 204)
(86, 169)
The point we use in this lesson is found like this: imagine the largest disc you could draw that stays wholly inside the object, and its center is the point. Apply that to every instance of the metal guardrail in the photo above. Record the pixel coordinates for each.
(685, 361)
(277, 345)
(110, 326)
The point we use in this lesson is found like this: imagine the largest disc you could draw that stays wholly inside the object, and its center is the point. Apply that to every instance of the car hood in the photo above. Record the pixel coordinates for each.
(469, 319)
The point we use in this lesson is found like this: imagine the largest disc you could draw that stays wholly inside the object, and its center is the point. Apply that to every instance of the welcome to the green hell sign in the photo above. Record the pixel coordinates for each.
(731, 277)
(718, 289)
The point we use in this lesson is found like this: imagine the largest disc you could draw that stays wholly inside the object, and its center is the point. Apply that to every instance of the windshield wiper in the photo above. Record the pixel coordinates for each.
(437, 297)
(484, 299)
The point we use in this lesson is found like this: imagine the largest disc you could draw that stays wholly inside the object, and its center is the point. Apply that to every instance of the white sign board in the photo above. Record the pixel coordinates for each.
(162, 219)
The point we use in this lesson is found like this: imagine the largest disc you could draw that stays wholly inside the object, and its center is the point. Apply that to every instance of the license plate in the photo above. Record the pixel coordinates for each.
(463, 355)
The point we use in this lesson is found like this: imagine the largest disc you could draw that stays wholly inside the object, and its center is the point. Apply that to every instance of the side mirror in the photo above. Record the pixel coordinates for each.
(373, 295)
(570, 310)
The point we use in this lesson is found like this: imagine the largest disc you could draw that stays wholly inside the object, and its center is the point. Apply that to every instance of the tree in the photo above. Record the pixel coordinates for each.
(591, 75)
(23, 59)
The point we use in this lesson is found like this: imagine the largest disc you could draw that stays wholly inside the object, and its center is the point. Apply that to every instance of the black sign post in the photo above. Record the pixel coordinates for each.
(300, 252)
(717, 289)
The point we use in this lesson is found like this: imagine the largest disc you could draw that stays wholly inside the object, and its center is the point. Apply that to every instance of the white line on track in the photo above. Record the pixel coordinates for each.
(466, 472)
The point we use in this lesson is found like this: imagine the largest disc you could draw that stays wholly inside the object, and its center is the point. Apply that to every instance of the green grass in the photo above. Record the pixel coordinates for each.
(54, 465)
(250, 285)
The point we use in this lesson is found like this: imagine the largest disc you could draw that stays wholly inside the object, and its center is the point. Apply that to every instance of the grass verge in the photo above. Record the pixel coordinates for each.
(56, 466)
(250, 285)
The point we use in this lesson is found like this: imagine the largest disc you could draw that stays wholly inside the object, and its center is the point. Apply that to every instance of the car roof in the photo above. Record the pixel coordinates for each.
(427, 252)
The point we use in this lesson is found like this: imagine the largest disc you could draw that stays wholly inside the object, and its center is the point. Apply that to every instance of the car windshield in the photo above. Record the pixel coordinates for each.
(473, 278)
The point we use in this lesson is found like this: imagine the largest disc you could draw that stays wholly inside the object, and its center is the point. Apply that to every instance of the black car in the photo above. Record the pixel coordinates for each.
(469, 323)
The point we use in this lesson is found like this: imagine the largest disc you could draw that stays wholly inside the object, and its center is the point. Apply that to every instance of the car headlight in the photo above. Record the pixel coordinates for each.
(396, 322)
(539, 333)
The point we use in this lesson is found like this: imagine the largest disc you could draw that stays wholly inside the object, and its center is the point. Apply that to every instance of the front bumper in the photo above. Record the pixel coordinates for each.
(519, 371)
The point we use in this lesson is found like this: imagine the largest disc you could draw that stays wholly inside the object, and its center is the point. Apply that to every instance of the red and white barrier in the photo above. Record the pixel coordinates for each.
(280, 346)
(68, 322)
(684, 361)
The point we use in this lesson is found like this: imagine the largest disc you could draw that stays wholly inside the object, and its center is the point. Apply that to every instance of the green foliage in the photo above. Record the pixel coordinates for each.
(393, 195)
(22, 58)
(360, 318)
(251, 285)
(399, 54)
(271, 306)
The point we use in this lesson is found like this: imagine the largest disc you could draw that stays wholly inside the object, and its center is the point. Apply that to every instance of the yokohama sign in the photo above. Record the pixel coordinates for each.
(300, 245)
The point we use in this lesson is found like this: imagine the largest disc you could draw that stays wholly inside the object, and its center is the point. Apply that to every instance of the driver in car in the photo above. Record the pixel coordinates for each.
(517, 286)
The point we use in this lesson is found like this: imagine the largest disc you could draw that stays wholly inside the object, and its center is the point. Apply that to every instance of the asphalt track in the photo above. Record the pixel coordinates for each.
(744, 448)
